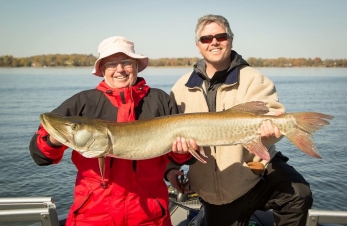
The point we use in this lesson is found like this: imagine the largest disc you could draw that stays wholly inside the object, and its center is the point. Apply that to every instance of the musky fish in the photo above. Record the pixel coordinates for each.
(144, 139)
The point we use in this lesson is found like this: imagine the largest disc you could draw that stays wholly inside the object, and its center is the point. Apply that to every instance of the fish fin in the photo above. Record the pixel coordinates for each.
(101, 161)
(202, 152)
(311, 121)
(197, 155)
(112, 155)
(256, 147)
(303, 141)
(307, 123)
(255, 107)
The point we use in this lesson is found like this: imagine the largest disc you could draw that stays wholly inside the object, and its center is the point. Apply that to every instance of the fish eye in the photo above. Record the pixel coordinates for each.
(73, 126)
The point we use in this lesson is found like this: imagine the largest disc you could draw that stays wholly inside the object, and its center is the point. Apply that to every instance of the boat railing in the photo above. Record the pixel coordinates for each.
(24, 209)
(43, 210)
(318, 217)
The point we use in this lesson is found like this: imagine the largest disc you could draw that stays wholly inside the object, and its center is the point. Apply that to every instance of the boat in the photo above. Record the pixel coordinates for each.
(185, 210)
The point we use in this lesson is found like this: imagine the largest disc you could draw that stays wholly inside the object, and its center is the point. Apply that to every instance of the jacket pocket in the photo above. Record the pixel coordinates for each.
(149, 210)
(80, 203)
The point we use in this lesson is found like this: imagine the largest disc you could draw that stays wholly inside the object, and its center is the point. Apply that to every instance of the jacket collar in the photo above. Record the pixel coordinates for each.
(232, 72)
(196, 80)
(125, 99)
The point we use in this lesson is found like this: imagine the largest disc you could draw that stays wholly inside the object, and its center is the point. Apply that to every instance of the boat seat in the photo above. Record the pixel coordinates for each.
(25, 209)
(318, 217)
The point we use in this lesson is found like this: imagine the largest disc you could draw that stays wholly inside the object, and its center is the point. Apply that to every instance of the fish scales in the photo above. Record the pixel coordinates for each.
(144, 139)
(224, 128)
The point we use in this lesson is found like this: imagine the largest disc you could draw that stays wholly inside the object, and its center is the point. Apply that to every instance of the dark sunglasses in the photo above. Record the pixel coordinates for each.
(209, 38)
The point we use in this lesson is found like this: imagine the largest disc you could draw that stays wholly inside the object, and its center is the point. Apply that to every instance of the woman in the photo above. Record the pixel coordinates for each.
(129, 192)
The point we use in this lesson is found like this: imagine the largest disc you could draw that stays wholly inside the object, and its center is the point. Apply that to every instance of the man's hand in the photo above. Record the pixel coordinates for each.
(173, 176)
(267, 130)
(269, 133)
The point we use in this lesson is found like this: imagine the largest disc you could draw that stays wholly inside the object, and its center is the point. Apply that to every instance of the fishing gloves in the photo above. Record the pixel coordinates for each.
(256, 167)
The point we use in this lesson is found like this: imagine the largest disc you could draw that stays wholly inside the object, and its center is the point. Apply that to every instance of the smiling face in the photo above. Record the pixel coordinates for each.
(119, 70)
(217, 53)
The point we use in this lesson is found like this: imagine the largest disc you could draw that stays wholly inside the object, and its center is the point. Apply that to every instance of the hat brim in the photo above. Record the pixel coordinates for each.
(142, 60)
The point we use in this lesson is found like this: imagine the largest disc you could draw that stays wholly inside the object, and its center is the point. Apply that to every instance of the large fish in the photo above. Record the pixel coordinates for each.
(144, 139)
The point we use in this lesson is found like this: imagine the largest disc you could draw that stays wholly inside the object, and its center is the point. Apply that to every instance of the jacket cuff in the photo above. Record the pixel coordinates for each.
(166, 172)
(50, 150)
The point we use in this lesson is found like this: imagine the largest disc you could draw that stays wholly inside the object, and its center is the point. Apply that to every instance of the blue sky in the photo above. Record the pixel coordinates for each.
(161, 28)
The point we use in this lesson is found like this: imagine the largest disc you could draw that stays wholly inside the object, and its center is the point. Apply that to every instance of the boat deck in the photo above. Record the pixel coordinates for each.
(43, 211)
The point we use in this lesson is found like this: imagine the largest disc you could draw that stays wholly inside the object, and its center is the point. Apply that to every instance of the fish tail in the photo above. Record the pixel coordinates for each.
(311, 121)
(307, 123)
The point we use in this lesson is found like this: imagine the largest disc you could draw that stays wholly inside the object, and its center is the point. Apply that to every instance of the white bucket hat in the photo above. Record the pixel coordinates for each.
(118, 44)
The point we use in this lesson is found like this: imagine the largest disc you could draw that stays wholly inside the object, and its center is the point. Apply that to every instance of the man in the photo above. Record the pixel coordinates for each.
(234, 182)
(124, 192)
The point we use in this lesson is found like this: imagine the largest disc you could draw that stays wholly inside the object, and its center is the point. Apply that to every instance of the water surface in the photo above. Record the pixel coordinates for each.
(25, 93)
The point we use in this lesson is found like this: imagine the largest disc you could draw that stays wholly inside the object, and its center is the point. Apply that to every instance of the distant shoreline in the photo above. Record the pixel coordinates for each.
(188, 67)
(80, 60)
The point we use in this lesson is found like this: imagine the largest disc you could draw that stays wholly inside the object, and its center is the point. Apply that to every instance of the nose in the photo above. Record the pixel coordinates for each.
(119, 68)
(214, 41)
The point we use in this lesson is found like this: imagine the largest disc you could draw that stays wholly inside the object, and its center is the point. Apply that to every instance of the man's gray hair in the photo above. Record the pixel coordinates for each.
(210, 18)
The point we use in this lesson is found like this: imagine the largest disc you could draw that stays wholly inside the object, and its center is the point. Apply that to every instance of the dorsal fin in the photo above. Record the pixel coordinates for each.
(255, 107)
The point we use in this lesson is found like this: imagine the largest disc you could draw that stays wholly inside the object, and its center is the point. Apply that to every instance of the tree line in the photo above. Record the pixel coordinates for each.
(296, 62)
(78, 60)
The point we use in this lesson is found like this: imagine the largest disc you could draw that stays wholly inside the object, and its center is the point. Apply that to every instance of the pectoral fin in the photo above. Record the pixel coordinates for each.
(101, 161)
(256, 147)
(198, 155)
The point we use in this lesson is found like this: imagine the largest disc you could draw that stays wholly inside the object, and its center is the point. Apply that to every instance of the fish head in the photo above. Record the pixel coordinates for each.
(86, 135)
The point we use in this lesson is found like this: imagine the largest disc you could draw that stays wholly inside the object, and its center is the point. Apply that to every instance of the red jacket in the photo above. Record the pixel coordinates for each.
(135, 193)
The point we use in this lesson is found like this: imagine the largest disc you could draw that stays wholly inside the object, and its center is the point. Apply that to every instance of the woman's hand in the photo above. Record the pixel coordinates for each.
(174, 177)
(181, 146)
(54, 141)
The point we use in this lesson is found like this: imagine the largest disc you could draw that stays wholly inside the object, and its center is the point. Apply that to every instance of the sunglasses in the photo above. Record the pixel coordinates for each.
(209, 38)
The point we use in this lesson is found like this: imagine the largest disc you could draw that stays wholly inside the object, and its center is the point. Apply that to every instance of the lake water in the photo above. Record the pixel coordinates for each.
(25, 93)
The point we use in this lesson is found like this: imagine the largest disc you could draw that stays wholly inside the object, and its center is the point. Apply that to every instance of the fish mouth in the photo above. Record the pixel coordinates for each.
(52, 131)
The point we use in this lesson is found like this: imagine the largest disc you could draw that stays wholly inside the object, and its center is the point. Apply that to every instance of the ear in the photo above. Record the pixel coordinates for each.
(231, 42)
(197, 46)
(136, 64)
(102, 68)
